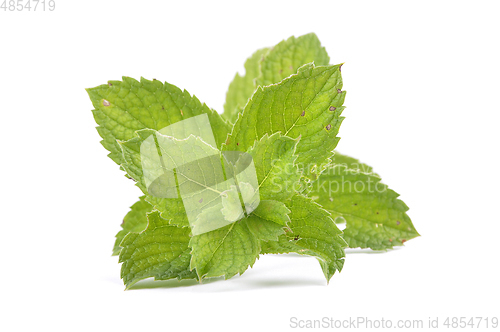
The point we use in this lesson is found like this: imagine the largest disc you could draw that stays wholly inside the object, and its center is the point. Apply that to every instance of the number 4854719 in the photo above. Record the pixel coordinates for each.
(28, 5)
(472, 322)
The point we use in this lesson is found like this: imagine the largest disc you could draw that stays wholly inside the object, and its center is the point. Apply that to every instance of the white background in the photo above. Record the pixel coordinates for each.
(422, 81)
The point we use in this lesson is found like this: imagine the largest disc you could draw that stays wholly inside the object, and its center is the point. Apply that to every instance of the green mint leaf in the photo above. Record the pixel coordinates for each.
(264, 229)
(161, 251)
(289, 55)
(226, 251)
(375, 217)
(313, 233)
(123, 107)
(277, 63)
(306, 105)
(269, 220)
(274, 211)
(171, 209)
(144, 157)
(278, 175)
(243, 87)
(134, 221)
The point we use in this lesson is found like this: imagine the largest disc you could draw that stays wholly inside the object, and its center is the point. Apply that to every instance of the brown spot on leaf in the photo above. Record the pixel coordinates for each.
(105, 102)
(339, 91)
(281, 71)
(182, 113)
(377, 212)
(109, 83)
(340, 67)
(303, 113)
(163, 108)
(390, 240)
(332, 108)
(296, 238)
(331, 199)
(398, 222)
(328, 127)
(403, 240)
(201, 200)
(237, 143)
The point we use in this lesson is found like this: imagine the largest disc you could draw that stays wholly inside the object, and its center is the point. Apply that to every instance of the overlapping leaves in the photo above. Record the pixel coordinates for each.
(286, 111)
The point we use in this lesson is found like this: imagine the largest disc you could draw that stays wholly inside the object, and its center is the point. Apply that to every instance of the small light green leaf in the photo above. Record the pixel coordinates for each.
(122, 107)
(264, 230)
(242, 87)
(313, 233)
(289, 55)
(250, 195)
(131, 161)
(306, 105)
(274, 211)
(226, 251)
(134, 221)
(375, 217)
(161, 251)
(231, 204)
(277, 173)
(171, 209)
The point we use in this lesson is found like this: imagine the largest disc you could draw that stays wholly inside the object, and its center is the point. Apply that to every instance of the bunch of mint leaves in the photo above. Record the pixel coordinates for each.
(286, 113)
